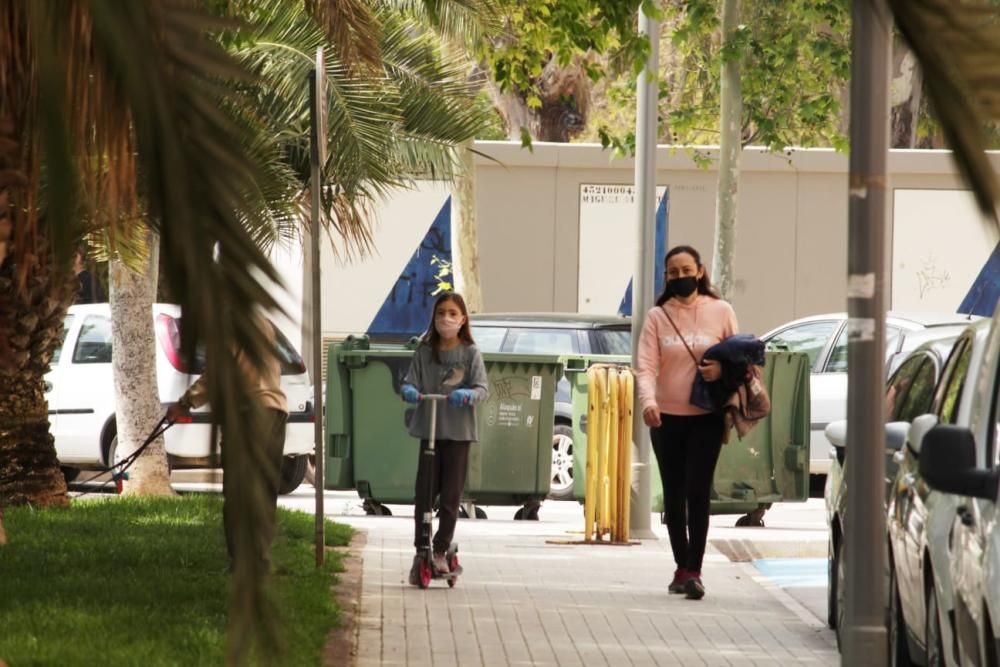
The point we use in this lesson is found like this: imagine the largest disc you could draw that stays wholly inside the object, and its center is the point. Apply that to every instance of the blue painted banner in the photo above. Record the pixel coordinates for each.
(985, 291)
(406, 310)
(662, 224)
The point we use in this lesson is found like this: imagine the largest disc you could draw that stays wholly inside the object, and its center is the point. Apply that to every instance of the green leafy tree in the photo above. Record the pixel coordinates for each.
(794, 60)
(548, 55)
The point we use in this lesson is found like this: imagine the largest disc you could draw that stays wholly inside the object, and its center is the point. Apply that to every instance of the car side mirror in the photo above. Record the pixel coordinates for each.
(948, 463)
(836, 433)
(918, 430)
(895, 436)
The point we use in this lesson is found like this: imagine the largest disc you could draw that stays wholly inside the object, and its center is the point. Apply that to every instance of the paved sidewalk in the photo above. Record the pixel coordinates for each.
(524, 601)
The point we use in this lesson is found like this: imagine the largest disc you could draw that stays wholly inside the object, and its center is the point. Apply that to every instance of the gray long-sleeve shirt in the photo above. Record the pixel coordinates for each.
(428, 376)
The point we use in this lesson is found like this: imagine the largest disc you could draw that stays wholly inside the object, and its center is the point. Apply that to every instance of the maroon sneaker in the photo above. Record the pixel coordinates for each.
(693, 588)
(680, 578)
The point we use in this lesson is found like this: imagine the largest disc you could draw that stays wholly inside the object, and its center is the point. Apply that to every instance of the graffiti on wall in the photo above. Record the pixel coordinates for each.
(406, 309)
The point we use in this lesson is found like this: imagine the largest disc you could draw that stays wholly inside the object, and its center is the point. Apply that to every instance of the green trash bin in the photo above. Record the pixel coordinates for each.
(371, 451)
(769, 465)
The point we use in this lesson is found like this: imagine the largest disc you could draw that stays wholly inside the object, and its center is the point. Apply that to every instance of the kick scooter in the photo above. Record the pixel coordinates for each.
(422, 571)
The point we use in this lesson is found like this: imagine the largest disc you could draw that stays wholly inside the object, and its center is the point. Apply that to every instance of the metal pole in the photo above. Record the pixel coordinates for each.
(316, 134)
(643, 278)
(866, 287)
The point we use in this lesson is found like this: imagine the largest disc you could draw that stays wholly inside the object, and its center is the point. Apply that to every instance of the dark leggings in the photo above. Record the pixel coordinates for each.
(687, 448)
(445, 477)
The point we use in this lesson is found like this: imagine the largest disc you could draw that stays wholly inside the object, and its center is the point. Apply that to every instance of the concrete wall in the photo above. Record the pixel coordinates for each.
(791, 257)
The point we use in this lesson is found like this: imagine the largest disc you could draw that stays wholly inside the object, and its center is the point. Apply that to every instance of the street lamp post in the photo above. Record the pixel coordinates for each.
(866, 288)
(643, 279)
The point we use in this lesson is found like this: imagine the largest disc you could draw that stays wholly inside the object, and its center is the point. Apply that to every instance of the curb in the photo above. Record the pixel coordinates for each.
(341, 648)
(790, 603)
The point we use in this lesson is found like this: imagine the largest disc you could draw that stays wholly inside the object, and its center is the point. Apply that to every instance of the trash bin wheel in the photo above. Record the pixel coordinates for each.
(527, 512)
(375, 508)
(463, 514)
(754, 519)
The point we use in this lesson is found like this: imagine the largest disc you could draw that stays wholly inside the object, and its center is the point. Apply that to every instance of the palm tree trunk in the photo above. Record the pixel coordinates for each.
(133, 357)
(465, 231)
(34, 314)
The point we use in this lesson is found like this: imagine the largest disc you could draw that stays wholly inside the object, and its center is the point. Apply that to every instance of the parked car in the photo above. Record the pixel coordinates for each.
(959, 460)
(81, 396)
(555, 333)
(909, 393)
(918, 520)
(824, 339)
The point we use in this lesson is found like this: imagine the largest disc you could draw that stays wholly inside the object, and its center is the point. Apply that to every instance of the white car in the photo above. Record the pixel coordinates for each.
(962, 460)
(81, 396)
(824, 339)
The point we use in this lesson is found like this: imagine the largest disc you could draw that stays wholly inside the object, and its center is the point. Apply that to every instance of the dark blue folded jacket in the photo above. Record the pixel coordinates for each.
(736, 354)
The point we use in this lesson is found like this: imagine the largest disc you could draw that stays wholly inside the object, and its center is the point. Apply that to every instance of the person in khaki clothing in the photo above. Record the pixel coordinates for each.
(267, 413)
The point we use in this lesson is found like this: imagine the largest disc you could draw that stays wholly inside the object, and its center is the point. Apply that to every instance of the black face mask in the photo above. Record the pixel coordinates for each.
(683, 287)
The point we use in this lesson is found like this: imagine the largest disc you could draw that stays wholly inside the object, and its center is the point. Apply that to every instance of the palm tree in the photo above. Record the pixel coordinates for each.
(115, 113)
(390, 119)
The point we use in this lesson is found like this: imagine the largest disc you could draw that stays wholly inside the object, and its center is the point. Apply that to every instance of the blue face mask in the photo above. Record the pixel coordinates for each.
(683, 287)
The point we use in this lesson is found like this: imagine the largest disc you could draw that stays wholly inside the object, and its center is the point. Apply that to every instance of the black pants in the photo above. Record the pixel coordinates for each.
(443, 474)
(687, 449)
(261, 463)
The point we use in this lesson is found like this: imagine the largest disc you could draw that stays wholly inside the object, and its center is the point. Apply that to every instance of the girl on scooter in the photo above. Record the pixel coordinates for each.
(447, 362)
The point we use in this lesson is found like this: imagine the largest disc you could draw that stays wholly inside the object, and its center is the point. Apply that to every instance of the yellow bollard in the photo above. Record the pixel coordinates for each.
(609, 453)
(595, 385)
(609, 500)
(625, 453)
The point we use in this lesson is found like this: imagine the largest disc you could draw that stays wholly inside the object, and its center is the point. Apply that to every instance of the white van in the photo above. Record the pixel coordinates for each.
(81, 396)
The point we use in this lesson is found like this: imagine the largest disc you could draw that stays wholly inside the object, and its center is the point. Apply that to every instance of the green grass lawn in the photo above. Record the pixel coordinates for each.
(144, 582)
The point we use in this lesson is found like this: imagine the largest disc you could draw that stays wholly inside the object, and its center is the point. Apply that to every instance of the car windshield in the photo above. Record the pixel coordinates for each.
(615, 341)
(488, 339)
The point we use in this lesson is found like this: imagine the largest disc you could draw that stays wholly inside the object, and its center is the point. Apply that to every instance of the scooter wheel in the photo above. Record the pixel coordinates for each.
(452, 565)
(425, 573)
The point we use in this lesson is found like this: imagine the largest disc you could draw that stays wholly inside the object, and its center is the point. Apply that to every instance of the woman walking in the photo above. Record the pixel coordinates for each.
(689, 317)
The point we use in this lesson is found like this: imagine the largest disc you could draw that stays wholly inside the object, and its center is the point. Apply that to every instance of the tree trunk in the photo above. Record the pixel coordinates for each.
(133, 359)
(906, 92)
(565, 97)
(34, 314)
(730, 146)
(3, 533)
(465, 232)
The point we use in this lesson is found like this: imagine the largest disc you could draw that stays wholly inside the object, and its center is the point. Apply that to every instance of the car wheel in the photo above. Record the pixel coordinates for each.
(841, 583)
(935, 646)
(831, 588)
(293, 471)
(113, 452)
(311, 469)
(561, 487)
(899, 648)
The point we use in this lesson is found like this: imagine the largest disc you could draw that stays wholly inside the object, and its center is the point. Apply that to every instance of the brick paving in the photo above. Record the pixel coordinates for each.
(526, 601)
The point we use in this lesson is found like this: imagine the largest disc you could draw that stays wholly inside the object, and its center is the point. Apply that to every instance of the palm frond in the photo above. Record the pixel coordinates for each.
(352, 28)
(383, 128)
(464, 22)
(958, 47)
(203, 186)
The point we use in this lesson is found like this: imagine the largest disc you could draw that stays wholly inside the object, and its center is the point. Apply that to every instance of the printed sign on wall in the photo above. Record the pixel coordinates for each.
(608, 244)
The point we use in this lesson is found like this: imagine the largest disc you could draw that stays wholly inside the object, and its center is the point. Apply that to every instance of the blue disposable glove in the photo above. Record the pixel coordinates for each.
(461, 397)
(409, 393)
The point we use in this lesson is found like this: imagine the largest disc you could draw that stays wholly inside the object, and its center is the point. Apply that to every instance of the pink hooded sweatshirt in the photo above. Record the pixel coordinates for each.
(666, 371)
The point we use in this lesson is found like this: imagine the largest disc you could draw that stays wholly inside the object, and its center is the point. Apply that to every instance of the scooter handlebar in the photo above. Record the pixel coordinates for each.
(433, 397)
